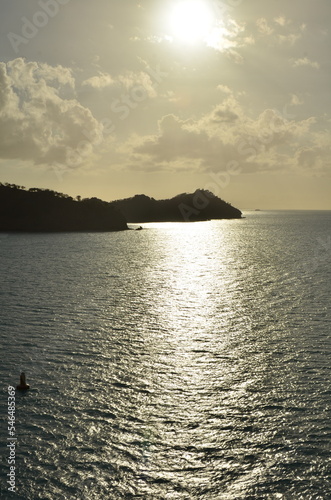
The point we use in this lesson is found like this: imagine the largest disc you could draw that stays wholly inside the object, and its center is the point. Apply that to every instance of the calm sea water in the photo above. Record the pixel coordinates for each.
(184, 361)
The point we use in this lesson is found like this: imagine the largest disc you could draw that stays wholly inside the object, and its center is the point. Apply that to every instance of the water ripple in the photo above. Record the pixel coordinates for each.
(192, 363)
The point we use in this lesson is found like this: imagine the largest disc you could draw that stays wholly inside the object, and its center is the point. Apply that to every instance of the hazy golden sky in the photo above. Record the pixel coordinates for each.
(115, 97)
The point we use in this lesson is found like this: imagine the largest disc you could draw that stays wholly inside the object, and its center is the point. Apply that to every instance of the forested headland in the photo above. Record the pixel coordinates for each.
(44, 210)
(189, 207)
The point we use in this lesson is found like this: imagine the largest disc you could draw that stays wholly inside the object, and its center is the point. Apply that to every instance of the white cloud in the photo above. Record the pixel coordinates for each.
(224, 135)
(306, 62)
(129, 80)
(38, 122)
(224, 88)
(315, 155)
(295, 101)
(234, 56)
(100, 81)
(314, 159)
(263, 26)
(280, 29)
(289, 39)
(282, 21)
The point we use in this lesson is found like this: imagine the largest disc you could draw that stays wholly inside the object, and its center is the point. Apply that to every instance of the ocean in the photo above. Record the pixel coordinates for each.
(184, 361)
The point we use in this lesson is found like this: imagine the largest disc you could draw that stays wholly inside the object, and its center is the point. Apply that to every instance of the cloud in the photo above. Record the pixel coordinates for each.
(131, 80)
(228, 37)
(225, 35)
(128, 80)
(226, 134)
(295, 100)
(282, 21)
(227, 112)
(224, 88)
(263, 26)
(280, 29)
(100, 81)
(314, 156)
(290, 39)
(306, 62)
(314, 159)
(39, 121)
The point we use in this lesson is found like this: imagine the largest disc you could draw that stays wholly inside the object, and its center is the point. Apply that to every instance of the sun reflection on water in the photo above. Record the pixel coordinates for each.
(190, 357)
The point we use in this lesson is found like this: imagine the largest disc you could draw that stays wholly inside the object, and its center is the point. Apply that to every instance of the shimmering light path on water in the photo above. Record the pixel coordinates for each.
(184, 361)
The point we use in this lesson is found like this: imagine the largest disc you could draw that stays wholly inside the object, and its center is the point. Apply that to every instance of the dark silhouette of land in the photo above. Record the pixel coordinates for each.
(198, 206)
(44, 210)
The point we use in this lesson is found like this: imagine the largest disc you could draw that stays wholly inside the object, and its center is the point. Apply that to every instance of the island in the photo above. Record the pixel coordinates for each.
(44, 210)
(186, 207)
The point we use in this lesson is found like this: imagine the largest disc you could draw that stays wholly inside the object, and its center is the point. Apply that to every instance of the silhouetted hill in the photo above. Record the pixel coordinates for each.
(197, 206)
(46, 210)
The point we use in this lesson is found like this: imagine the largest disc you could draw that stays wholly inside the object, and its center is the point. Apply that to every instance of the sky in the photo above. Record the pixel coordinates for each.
(113, 98)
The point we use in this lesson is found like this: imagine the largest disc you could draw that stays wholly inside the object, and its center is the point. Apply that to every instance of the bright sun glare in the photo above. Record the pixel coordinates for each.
(191, 21)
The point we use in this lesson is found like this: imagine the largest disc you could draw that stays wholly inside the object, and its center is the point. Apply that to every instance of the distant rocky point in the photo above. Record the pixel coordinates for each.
(198, 206)
(44, 210)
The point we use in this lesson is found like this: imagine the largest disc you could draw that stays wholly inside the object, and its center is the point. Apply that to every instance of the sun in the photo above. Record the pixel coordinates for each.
(191, 21)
